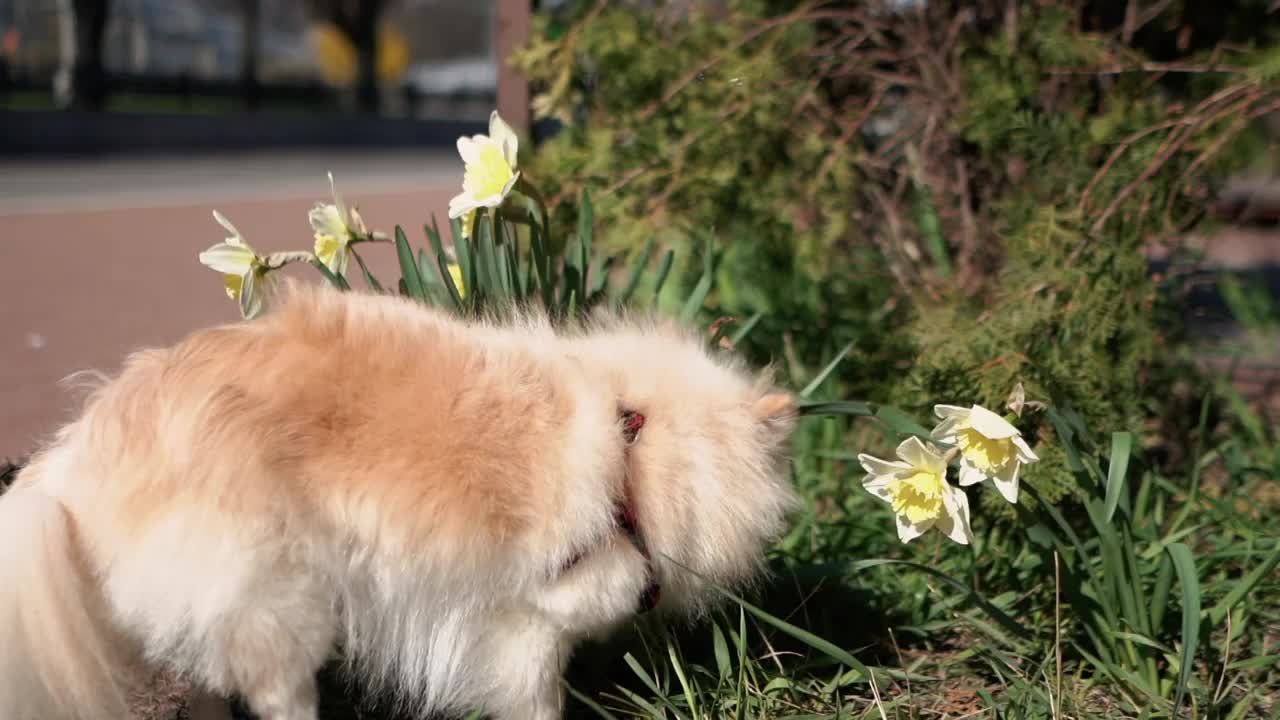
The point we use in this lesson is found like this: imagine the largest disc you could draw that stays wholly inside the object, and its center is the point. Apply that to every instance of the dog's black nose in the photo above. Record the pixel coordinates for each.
(651, 595)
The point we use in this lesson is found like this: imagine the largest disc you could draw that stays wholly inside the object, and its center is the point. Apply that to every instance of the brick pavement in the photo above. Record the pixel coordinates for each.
(84, 286)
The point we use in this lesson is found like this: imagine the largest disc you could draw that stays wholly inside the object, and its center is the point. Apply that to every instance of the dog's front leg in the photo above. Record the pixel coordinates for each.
(527, 655)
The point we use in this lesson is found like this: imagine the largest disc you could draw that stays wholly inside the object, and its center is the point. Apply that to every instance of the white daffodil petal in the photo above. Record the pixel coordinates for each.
(908, 532)
(265, 287)
(879, 486)
(506, 187)
(460, 205)
(228, 258)
(357, 223)
(1024, 450)
(337, 199)
(990, 424)
(1006, 481)
(914, 452)
(250, 304)
(945, 412)
(315, 216)
(970, 475)
(955, 522)
(947, 526)
(327, 220)
(945, 431)
(935, 461)
(921, 455)
(876, 466)
(467, 148)
(235, 238)
(505, 137)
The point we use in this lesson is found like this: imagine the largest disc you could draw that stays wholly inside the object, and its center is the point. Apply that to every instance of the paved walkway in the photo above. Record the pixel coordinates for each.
(99, 257)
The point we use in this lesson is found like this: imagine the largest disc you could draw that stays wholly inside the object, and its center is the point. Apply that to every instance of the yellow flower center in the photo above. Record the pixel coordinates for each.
(918, 496)
(327, 247)
(233, 283)
(488, 175)
(983, 452)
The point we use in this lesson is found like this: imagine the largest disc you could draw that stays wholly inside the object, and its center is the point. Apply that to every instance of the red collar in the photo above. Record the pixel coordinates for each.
(625, 517)
(632, 422)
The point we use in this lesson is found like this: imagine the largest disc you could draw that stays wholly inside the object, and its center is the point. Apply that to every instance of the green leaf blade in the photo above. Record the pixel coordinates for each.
(1121, 447)
(409, 267)
(1189, 581)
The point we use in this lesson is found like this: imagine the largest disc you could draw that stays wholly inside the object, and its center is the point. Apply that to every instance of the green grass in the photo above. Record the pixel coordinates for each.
(1160, 594)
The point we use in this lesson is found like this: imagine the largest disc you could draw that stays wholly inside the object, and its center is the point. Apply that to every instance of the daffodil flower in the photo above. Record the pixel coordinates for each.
(490, 168)
(468, 219)
(990, 447)
(334, 229)
(242, 268)
(455, 272)
(916, 487)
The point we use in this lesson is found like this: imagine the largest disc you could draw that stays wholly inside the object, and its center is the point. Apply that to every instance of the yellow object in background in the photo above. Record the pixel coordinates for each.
(9, 42)
(336, 55)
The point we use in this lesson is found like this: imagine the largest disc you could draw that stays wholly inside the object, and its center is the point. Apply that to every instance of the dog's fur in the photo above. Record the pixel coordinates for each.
(437, 496)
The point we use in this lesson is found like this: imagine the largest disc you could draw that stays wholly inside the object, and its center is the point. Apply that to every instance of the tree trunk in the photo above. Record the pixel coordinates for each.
(82, 82)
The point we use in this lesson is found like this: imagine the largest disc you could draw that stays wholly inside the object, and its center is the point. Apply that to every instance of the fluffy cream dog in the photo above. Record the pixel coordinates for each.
(456, 504)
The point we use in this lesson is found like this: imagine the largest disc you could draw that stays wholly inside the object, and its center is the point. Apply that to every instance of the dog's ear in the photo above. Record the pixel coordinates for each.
(777, 411)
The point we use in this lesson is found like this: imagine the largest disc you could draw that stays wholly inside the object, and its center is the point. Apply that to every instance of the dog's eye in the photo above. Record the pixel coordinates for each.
(632, 421)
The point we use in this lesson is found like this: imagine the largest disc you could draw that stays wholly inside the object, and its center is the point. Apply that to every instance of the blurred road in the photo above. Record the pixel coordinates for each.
(56, 184)
(99, 256)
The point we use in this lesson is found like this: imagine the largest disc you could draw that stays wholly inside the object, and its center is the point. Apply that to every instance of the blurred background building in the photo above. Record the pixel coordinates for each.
(430, 58)
(220, 74)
